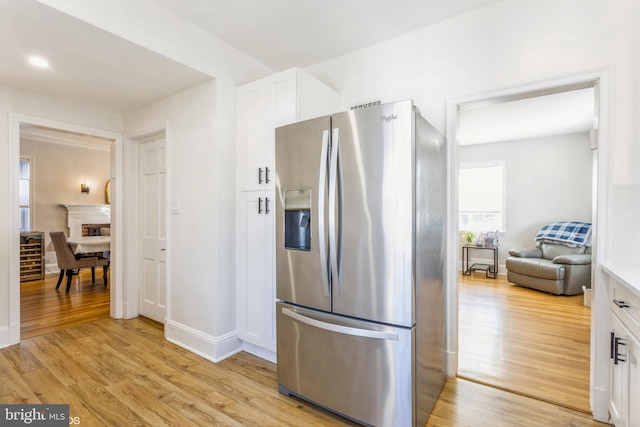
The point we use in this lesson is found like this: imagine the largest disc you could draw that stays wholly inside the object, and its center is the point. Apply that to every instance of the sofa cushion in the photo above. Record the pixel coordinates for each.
(550, 250)
(526, 252)
(573, 259)
(536, 267)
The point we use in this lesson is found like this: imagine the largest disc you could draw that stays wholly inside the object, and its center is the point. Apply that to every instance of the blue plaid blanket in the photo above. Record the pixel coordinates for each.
(569, 233)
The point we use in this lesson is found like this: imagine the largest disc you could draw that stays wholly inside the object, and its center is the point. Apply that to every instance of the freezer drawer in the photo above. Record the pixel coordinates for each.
(358, 369)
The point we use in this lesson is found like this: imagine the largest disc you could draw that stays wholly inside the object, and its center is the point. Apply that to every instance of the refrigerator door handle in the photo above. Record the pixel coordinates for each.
(321, 212)
(358, 332)
(333, 186)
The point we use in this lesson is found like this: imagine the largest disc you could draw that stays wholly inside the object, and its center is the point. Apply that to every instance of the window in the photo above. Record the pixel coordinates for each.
(24, 194)
(481, 192)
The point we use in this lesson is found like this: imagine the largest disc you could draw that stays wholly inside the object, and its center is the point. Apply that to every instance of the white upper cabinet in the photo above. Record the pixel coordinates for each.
(251, 134)
(264, 105)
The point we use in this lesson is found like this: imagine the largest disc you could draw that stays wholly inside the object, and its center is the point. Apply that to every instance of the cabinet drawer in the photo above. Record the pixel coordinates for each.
(626, 306)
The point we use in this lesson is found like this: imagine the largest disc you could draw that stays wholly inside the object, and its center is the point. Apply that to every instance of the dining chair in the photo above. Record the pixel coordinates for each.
(70, 265)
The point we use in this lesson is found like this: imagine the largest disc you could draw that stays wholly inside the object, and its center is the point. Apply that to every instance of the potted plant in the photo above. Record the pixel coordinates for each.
(489, 238)
(469, 236)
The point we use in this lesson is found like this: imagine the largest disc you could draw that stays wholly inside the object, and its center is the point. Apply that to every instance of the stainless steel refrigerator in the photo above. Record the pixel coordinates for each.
(359, 263)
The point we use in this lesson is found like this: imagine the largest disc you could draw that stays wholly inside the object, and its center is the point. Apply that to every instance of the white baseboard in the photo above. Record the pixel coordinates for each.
(9, 335)
(262, 353)
(4, 337)
(211, 348)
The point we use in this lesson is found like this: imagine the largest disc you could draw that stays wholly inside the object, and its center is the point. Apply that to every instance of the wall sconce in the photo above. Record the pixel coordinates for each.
(84, 188)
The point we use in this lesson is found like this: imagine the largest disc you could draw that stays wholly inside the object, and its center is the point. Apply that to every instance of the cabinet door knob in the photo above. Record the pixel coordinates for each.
(266, 204)
(259, 205)
(266, 175)
(259, 175)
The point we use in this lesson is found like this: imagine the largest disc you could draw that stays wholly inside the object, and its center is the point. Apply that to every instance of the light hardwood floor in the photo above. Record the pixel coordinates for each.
(525, 341)
(44, 309)
(123, 372)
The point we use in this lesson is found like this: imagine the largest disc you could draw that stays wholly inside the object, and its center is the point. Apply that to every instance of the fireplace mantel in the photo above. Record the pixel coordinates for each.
(77, 215)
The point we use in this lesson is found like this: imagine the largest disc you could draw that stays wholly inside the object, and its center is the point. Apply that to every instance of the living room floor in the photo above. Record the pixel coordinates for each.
(525, 341)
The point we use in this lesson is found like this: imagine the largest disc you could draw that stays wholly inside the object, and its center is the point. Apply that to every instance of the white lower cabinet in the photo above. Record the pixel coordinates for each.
(624, 405)
(256, 281)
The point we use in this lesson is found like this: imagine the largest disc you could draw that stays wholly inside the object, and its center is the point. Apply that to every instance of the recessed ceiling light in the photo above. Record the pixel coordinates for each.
(38, 62)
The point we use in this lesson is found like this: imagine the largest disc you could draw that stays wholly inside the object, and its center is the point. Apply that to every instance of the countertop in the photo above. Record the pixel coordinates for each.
(627, 275)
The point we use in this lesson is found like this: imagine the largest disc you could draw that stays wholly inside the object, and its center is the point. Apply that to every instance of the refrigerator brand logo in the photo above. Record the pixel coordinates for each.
(387, 119)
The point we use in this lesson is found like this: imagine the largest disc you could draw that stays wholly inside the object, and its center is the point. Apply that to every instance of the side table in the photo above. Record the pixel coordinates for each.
(491, 271)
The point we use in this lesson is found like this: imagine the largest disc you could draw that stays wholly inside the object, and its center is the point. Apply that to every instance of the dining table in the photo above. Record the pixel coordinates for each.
(90, 244)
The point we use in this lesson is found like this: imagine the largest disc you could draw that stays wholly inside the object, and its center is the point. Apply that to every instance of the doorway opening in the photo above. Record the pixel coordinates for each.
(64, 160)
(65, 190)
(592, 152)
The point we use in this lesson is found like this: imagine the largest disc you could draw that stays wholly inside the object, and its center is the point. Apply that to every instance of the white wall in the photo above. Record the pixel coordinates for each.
(201, 292)
(504, 45)
(555, 185)
(28, 104)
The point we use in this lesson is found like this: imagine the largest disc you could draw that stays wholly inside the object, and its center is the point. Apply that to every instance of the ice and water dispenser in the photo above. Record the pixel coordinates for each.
(297, 219)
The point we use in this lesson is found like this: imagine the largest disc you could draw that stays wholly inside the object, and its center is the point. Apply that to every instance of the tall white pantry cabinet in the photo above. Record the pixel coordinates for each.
(262, 106)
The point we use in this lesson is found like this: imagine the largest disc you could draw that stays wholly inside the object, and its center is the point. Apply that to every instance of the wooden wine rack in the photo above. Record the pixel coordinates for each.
(31, 256)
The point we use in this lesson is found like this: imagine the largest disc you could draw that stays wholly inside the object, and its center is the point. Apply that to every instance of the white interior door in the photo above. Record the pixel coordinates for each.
(153, 228)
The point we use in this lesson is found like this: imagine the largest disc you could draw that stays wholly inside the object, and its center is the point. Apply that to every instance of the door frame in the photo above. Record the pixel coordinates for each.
(600, 214)
(116, 173)
(131, 196)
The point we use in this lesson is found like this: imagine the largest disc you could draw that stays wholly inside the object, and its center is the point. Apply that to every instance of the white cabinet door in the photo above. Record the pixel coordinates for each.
(255, 275)
(625, 376)
(153, 292)
(281, 97)
(282, 100)
(618, 376)
(261, 107)
(251, 135)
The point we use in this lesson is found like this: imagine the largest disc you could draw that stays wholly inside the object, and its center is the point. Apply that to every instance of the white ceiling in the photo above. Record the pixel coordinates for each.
(286, 33)
(95, 68)
(552, 114)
